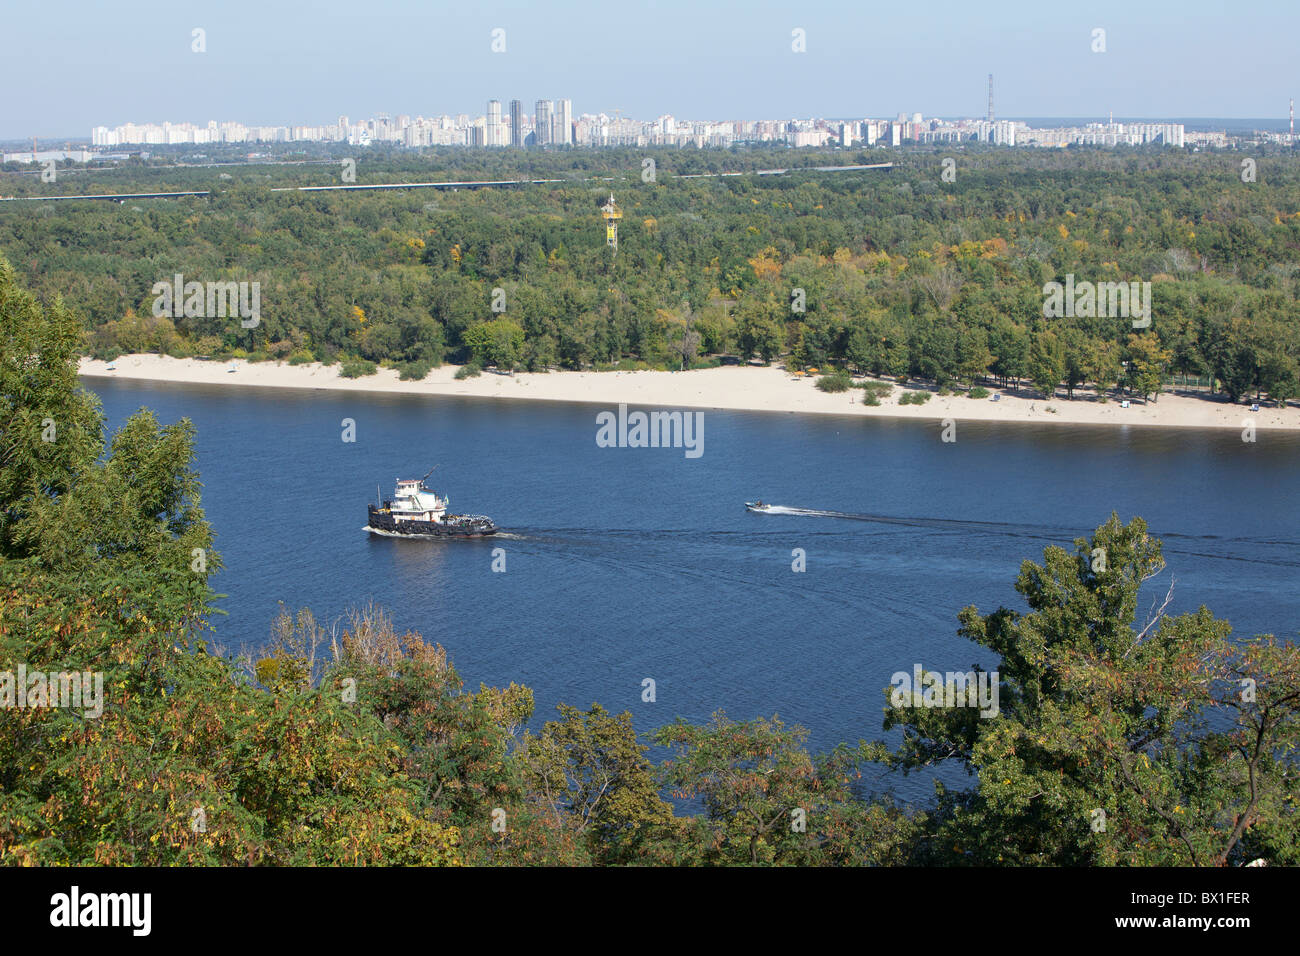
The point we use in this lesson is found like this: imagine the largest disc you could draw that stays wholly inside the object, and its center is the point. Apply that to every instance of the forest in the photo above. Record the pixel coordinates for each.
(1120, 740)
(892, 273)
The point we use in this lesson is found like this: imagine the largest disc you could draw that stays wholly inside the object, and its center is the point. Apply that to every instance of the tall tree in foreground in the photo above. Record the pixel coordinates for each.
(50, 429)
(1164, 743)
(590, 772)
(162, 757)
(767, 801)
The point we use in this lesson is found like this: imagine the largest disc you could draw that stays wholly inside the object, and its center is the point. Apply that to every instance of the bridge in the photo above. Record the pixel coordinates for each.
(464, 184)
(118, 197)
(782, 172)
(476, 184)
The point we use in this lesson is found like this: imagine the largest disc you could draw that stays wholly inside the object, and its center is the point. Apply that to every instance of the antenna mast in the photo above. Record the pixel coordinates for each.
(612, 215)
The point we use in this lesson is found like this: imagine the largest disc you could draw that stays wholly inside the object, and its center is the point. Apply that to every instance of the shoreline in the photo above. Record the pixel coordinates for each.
(730, 388)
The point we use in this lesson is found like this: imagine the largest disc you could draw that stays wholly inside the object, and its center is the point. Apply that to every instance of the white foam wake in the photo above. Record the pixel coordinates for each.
(807, 512)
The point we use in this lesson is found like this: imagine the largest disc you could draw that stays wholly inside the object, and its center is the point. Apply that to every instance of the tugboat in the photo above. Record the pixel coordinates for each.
(417, 511)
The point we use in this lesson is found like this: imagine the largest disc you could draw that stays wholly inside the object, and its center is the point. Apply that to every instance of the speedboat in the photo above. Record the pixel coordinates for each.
(757, 506)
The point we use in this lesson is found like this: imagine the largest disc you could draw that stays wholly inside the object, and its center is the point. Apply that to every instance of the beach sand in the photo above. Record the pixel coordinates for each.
(750, 388)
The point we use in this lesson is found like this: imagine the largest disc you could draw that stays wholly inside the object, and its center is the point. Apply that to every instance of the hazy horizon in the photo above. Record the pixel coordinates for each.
(291, 65)
(1193, 124)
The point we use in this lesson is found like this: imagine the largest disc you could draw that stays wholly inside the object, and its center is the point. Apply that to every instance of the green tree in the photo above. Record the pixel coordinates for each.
(1047, 362)
(973, 356)
(1075, 344)
(170, 758)
(1279, 375)
(1233, 355)
(498, 342)
(1167, 744)
(1101, 364)
(590, 767)
(758, 329)
(49, 426)
(1147, 364)
(768, 802)
(1009, 343)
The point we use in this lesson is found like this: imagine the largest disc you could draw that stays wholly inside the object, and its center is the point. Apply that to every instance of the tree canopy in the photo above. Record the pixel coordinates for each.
(1116, 740)
(886, 272)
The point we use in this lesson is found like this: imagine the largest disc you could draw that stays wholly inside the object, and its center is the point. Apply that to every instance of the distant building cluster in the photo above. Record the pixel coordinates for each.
(1208, 140)
(552, 123)
(1016, 133)
(1110, 134)
(1269, 136)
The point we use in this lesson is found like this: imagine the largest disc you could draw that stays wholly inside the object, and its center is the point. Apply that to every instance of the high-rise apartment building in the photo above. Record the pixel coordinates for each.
(562, 123)
(516, 123)
(492, 124)
(542, 123)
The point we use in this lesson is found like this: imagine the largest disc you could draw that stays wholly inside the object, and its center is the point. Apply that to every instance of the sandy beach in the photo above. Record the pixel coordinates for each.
(750, 388)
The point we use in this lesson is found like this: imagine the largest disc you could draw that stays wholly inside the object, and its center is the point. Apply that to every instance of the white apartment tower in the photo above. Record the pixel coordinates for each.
(562, 123)
(493, 132)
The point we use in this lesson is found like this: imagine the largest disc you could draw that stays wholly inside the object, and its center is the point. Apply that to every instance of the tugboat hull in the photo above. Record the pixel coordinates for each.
(451, 526)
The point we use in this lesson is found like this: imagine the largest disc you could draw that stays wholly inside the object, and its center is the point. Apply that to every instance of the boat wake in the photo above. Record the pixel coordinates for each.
(1222, 547)
(818, 513)
(382, 533)
(939, 524)
(809, 512)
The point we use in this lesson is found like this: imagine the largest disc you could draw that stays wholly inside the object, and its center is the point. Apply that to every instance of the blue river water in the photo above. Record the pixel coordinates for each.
(623, 564)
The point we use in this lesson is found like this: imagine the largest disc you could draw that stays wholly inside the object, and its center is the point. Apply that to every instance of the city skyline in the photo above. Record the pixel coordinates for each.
(271, 66)
(552, 123)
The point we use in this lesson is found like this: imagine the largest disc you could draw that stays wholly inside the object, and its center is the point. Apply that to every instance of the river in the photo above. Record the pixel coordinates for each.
(623, 563)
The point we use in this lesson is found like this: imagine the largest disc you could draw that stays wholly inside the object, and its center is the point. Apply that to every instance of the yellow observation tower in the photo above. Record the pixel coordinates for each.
(612, 215)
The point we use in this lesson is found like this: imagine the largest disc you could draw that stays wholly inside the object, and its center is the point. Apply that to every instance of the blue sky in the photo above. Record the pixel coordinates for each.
(79, 64)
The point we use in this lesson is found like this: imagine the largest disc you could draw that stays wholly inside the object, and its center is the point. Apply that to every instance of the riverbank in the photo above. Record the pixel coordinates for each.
(748, 388)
